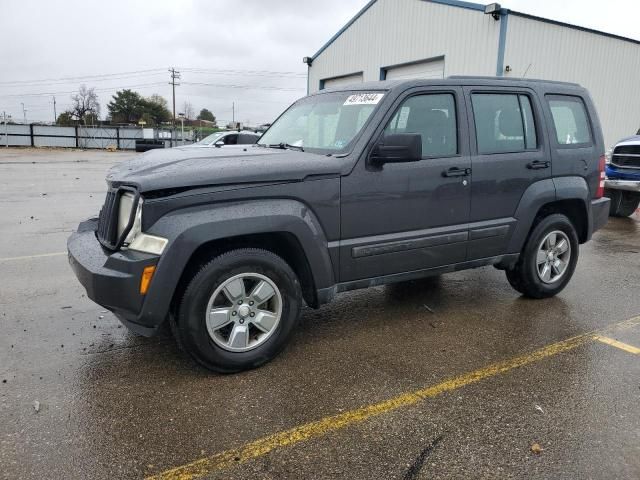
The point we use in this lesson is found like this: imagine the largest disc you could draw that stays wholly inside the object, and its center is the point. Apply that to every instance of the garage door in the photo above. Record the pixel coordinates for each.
(428, 69)
(342, 81)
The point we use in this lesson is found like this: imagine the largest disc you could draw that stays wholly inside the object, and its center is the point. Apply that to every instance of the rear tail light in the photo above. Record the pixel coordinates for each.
(601, 165)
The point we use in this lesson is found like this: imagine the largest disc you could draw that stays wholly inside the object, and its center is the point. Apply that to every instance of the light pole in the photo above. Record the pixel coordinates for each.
(24, 113)
(6, 117)
(181, 115)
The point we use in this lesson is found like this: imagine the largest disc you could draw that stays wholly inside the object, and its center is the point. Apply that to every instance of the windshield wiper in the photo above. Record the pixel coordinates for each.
(285, 146)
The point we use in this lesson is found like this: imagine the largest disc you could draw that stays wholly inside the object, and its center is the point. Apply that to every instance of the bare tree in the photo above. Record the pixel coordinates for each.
(85, 104)
(188, 111)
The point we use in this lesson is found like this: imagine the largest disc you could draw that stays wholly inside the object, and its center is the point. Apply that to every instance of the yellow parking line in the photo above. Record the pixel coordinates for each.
(29, 257)
(258, 448)
(615, 343)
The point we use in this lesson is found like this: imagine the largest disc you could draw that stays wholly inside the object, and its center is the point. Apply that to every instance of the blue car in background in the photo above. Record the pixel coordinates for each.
(622, 184)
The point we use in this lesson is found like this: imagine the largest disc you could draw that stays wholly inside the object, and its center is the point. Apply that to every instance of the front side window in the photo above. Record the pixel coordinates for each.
(210, 139)
(433, 116)
(504, 123)
(231, 139)
(569, 120)
(325, 123)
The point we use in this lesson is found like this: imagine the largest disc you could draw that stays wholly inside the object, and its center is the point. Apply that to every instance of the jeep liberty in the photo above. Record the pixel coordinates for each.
(365, 185)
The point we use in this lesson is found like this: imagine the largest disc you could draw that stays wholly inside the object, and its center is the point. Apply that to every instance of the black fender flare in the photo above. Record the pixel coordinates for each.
(189, 228)
(543, 192)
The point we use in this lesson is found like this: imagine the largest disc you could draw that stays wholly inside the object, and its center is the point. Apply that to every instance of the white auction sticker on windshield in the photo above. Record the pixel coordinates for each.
(364, 99)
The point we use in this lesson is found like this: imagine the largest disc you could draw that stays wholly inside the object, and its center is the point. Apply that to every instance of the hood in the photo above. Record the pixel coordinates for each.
(194, 167)
(632, 140)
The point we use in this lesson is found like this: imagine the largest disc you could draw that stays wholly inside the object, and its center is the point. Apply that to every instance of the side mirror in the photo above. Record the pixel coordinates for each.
(219, 143)
(398, 147)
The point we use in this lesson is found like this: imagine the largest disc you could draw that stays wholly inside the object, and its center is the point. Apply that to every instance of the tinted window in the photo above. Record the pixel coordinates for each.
(570, 120)
(247, 139)
(434, 117)
(231, 139)
(530, 138)
(504, 122)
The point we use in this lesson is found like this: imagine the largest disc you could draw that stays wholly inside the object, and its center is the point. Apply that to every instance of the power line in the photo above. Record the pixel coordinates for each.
(149, 72)
(259, 73)
(256, 87)
(81, 77)
(104, 89)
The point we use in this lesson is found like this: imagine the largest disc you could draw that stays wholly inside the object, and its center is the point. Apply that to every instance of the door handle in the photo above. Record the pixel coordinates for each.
(538, 164)
(456, 172)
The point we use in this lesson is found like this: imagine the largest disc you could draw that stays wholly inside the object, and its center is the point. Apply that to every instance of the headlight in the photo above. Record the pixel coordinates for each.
(136, 239)
(124, 215)
(607, 155)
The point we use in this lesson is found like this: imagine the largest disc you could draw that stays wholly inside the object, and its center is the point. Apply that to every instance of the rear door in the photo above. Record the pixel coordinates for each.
(575, 149)
(508, 155)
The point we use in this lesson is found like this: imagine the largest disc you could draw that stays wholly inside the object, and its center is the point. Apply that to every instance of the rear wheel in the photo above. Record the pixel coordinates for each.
(548, 259)
(623, 203)
(239, 311)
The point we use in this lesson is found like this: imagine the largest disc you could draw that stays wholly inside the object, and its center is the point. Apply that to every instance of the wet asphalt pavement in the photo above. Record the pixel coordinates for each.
(113, 405)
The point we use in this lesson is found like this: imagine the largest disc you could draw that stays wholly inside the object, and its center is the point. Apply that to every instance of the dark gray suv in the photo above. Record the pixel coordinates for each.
(379, 183)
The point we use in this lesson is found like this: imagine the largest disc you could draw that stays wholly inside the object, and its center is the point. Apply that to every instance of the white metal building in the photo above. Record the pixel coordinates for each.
(390, 39)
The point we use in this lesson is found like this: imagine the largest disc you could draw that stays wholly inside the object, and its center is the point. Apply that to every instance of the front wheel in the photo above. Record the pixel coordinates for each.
(239, 311)
(548, 259)
(623, 203)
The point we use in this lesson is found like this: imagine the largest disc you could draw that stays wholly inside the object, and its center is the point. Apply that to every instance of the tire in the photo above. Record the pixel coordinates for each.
(204, 337)
(623, 203)
(528, 276)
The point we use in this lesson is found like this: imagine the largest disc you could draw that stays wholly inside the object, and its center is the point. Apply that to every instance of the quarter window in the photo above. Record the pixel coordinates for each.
(504, 123)
(569, 120)
(433, 116)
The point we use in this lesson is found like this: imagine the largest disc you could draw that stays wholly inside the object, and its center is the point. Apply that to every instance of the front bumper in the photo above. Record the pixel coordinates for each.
(599, 213)
(111, 279)
(628, 185)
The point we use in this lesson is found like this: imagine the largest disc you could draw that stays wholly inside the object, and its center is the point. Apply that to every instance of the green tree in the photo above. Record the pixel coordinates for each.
(156, 108)
(206, 115)
(127, 106)
(65, 119)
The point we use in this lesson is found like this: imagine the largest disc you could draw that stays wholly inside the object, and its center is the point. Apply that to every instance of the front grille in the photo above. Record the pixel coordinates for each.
(108, 221)
(626, 156)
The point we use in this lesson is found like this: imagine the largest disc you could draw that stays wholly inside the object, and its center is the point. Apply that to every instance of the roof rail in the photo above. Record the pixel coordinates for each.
(510, 79)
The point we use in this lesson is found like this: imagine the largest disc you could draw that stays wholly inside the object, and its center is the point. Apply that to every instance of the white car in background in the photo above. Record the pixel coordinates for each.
(220, 139)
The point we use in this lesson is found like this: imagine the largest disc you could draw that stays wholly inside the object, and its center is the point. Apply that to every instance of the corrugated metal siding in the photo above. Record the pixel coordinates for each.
(392, 32)
(609, 68)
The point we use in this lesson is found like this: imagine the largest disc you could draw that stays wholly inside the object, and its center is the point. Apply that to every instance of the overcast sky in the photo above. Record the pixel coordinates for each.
(243, 51)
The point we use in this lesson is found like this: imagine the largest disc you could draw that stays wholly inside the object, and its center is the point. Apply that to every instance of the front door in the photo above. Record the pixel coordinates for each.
(402, 217)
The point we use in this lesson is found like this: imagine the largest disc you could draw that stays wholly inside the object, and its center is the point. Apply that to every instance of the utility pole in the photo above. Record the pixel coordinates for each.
(233, 113)
(55, 115)
(24, 113)
(175, 75)
(6, 130)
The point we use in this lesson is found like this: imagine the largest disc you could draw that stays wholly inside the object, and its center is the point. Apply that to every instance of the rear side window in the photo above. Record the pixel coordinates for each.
(569, 120)
(504, 122)
(433, 116)
(247, 139)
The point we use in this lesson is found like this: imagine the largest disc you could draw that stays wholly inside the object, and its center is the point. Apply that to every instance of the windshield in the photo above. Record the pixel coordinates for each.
(325, 123)
(210, 139)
